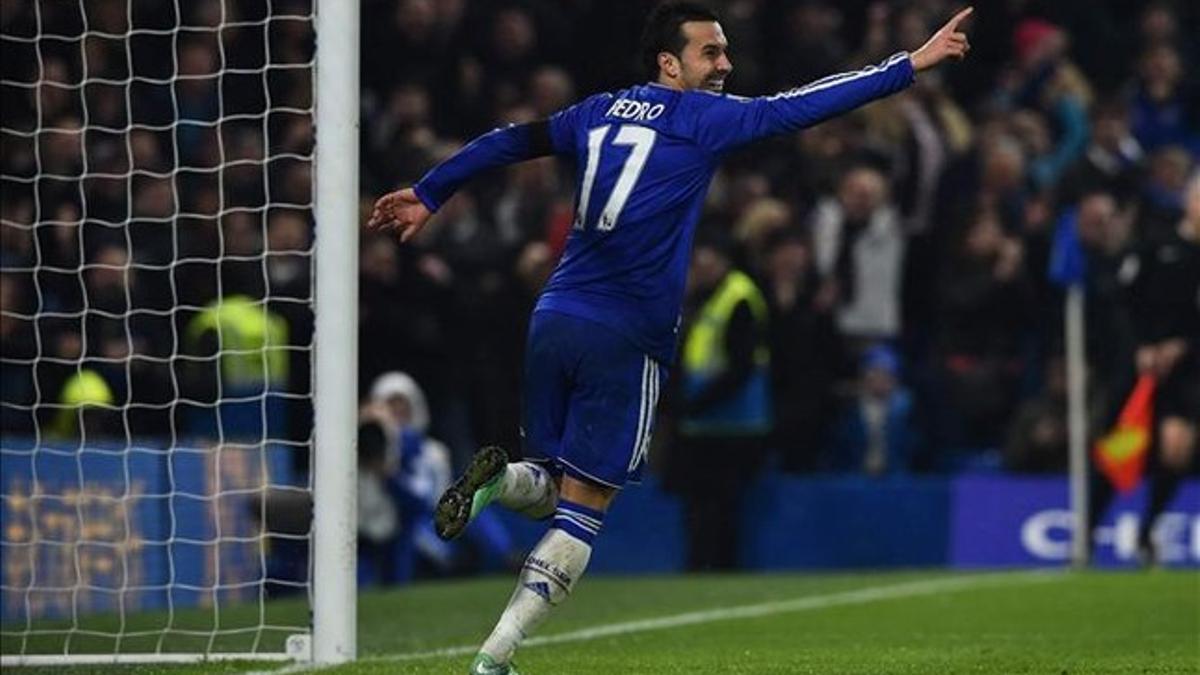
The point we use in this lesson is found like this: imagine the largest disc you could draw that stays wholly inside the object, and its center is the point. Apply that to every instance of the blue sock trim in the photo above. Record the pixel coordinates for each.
(577, 520)
(581, 510)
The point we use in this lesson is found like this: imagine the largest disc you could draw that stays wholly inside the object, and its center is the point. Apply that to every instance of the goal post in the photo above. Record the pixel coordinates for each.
(178, 331)
(335, 509)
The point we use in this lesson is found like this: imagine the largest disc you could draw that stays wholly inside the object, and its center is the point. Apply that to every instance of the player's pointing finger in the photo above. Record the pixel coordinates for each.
(953, 23)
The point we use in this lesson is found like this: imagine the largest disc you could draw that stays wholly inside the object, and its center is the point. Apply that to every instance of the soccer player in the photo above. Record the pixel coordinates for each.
(605, 326)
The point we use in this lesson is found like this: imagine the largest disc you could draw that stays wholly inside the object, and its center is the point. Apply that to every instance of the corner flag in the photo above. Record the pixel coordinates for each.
(1121, 455)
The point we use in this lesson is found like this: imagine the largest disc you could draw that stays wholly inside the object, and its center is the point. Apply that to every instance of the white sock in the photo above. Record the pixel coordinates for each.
(549, 574)
(527, 488)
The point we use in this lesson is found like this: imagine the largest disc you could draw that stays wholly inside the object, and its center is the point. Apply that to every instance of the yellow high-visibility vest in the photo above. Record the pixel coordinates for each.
(703, 351)
(251, 341)
(747, 411)
(84, 389)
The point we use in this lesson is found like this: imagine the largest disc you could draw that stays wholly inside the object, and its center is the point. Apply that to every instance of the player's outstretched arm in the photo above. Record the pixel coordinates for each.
(946, 43)
(727, 122)
(407, 210)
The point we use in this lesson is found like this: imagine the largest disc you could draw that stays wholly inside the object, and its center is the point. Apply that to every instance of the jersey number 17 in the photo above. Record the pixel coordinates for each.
(642, 140)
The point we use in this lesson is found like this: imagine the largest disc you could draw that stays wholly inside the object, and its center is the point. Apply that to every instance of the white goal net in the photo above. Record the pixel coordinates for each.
(156, 323)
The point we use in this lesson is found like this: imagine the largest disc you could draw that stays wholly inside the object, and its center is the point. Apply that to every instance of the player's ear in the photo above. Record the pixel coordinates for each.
(668, 64)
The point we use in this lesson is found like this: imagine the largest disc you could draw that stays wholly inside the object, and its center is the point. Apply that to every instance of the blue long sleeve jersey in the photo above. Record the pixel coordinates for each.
(646, 155)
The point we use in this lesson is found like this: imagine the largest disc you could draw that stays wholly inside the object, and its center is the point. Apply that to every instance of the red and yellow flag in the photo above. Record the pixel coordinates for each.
(1121, 455)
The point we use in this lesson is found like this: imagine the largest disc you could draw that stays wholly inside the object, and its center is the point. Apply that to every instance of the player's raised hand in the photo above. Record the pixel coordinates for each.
(946, 43)
(399, 211)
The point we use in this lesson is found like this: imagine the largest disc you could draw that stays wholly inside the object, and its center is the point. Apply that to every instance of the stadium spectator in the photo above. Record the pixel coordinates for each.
(238, 251)
(930, 129)
(401, 474)
(511, 51)
(418, 41)
(725, 409)
(403, 143)
(1163, 107)
(983, 308)
(1112, 162)
(759, 221)
(1105, 234)
(60, 245)
(859, 250)
(86, 410)
(289, 283)
(530, 204)
(1162, 191)
(128, 350)
(384, 555)
(61, 147)
(992, 175)
(288, 256)
(1160, 24)
(57, 103)
(423, 473)
(112, 287)
(237, 377)
(876, 431)
(1045, 80)
(804, 350)
(1037, 438)
(429, 467)
(550, 89)
(198, 100)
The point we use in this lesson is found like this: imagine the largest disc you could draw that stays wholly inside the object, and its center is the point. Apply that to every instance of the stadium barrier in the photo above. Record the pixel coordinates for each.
(835, 522)
(153, 529)
(106, 529)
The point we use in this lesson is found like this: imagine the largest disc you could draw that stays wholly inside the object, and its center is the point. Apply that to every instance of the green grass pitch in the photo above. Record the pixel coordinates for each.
(1123, 623)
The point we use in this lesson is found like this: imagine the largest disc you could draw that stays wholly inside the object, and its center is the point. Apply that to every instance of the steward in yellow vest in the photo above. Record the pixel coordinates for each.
(250, 341)
(725, 362)
(85, 396)
(725, 414)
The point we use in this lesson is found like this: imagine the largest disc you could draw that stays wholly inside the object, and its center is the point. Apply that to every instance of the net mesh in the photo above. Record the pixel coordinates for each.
(156, 324)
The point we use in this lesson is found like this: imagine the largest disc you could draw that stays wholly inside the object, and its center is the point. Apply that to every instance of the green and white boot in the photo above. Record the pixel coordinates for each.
(485, 665)
(473, 491)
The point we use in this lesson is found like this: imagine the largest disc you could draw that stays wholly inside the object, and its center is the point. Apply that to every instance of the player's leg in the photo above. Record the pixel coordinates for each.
(550, 571)
(607, 431)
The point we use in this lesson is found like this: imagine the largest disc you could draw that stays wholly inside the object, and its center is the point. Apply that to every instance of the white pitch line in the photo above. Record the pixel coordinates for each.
(814, 602)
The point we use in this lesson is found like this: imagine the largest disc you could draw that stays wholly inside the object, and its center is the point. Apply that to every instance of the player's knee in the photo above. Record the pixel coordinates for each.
(1177, 442)
(587, 493)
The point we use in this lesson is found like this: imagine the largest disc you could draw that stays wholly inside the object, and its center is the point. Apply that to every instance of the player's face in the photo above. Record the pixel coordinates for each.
(704, 62)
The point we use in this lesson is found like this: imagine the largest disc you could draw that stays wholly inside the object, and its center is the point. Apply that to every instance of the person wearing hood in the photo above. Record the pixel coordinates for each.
(411, 472)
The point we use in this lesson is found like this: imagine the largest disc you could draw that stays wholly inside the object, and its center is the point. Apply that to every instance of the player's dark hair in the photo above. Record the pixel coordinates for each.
(664, 31)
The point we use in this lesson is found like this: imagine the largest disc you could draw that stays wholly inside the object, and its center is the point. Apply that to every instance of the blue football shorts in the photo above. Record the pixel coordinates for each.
(588, 400)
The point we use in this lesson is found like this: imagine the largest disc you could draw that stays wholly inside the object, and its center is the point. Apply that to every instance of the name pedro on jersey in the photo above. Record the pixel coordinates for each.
(637, 111)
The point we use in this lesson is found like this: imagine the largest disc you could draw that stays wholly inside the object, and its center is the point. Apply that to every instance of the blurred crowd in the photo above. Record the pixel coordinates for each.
(901, 250)
(150, 171)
